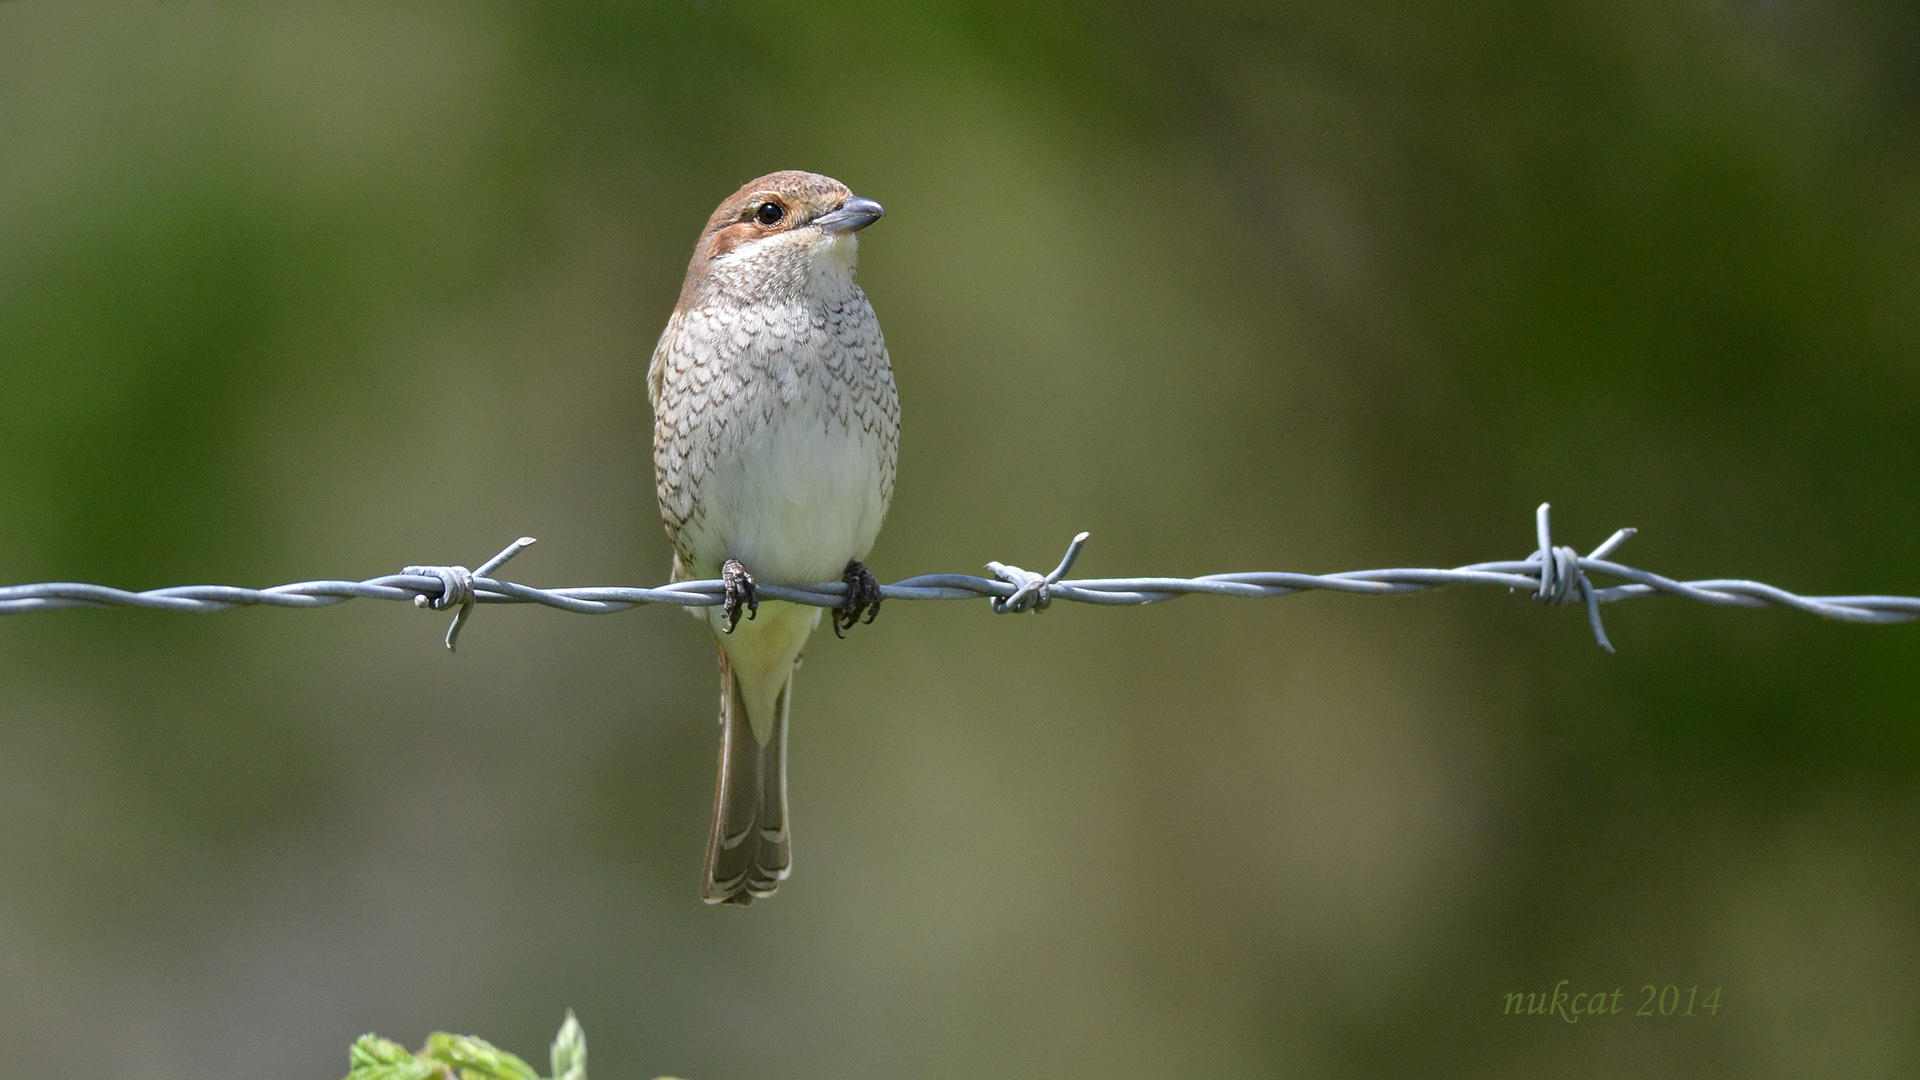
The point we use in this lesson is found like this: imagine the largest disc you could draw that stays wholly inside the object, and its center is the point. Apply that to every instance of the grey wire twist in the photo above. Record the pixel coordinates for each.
(1553, 575)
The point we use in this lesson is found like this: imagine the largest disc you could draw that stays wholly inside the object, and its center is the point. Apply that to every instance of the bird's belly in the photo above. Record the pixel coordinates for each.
(797, 499)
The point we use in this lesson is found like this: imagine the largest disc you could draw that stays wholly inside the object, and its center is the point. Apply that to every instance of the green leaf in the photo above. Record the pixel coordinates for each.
(570, 1051)
(375, 1058)
(475, 1059)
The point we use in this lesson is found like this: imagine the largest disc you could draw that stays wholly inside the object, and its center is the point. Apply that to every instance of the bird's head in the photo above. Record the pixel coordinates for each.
(785, 233)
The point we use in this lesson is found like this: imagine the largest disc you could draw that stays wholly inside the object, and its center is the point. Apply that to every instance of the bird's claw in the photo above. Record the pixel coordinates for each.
(740, 589)
(863, 594)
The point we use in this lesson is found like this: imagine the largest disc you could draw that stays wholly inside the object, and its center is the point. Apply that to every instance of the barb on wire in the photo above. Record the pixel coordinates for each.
(456, 585)
(1552, 575)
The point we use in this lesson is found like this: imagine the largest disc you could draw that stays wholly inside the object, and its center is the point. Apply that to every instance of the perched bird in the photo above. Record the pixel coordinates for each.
(775, 429)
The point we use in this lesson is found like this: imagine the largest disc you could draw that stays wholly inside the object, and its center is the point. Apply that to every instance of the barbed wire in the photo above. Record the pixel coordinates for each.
(1552, 575)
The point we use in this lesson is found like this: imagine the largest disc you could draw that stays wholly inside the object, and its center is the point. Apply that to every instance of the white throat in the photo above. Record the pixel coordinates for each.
(798, 267)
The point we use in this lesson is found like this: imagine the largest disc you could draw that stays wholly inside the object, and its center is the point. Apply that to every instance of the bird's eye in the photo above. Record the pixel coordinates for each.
(770, 213)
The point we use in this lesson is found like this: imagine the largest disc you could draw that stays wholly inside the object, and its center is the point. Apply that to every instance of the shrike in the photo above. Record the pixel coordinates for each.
(775, 431)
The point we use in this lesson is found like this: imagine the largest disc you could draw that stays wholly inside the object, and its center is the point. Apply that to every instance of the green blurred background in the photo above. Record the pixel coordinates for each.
(318, 290)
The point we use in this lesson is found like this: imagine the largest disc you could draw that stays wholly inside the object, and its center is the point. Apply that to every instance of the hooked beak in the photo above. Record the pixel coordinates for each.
(850, 216)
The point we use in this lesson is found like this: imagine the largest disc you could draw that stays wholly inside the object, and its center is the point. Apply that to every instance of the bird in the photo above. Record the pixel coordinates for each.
(775, 436)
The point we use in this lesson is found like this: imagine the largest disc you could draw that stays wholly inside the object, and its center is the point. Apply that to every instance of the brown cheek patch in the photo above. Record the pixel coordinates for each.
(731, 237)
(742, 231)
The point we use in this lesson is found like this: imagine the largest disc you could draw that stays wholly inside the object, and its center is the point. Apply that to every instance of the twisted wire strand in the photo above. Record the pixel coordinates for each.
(1552, 575)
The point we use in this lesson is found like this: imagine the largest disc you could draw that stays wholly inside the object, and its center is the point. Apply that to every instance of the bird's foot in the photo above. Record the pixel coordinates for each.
(740, 590)
(863, 594)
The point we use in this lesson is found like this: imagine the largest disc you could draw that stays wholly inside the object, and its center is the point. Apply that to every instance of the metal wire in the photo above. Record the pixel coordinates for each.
(1553, 575)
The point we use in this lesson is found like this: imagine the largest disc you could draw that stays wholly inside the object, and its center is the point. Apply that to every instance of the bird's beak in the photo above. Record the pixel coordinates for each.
(850, 216)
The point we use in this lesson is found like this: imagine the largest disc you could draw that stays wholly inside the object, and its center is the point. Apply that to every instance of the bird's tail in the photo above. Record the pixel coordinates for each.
(749, 852)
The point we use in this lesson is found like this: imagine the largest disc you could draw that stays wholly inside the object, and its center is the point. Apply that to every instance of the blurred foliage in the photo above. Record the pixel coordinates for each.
(463, 1057)
(322, 289)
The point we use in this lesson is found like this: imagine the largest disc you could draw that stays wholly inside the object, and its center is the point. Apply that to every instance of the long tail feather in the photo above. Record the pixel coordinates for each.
(749, 851)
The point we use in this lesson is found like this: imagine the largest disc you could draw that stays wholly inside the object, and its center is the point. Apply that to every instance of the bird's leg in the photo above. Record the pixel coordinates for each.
(863, 594)
(740, 590)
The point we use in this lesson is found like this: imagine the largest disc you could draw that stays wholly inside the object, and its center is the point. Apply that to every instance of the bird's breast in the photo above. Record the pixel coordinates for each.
(775, 438)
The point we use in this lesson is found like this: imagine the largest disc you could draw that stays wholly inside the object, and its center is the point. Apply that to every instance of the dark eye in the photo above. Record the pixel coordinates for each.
(770, 213)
